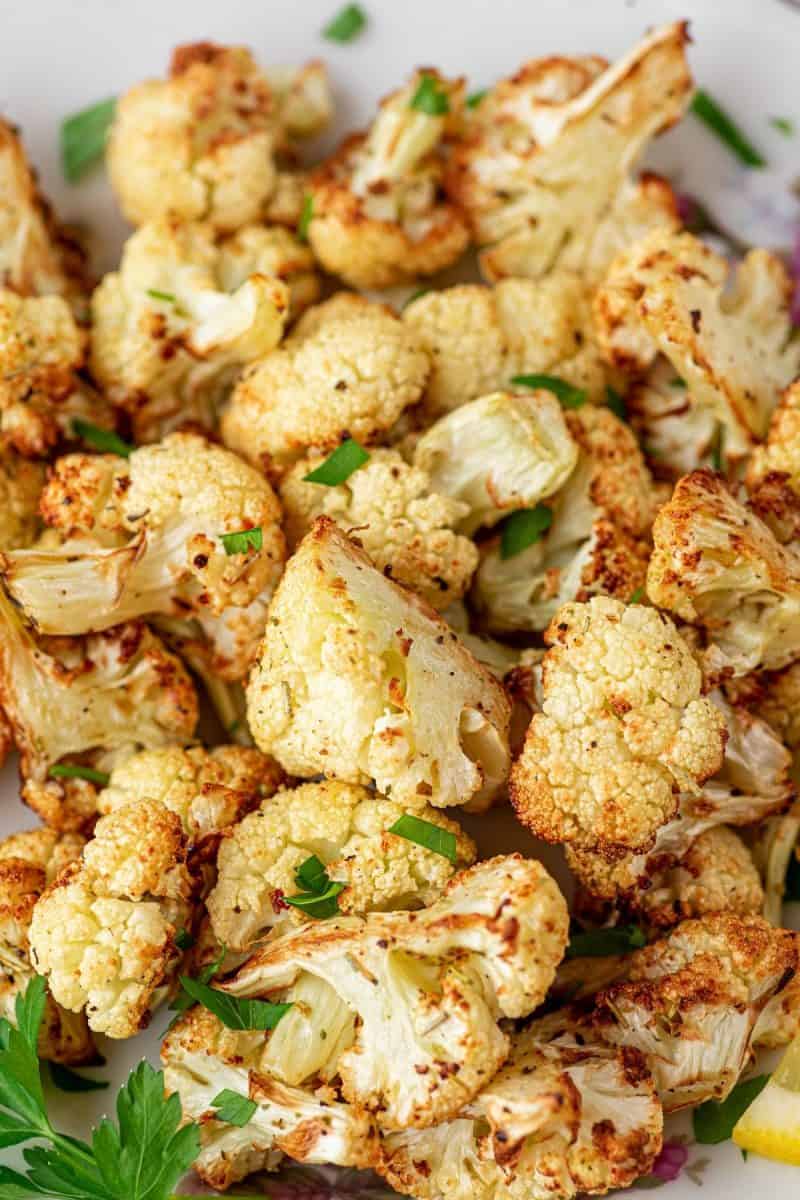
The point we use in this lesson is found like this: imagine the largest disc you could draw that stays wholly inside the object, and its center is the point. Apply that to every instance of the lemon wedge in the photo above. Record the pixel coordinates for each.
(771, 1125)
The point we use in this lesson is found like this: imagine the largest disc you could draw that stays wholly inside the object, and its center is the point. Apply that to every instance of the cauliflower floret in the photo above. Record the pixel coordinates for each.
(623, 730)
(378, 213)
(479, 337)
(774, 845)
(275, 252)
(718, 566)
(361, 680)
(501, 452)
(691, 1002)
(208, 789)
(104, 932)
(520, 174)
(172, 506)
(21, 483)
(726, 337)
(779, 456)
(41, 351)
(348, 369)
(303, 100)
(402, 521)
(200, 145)
(429, 987)
(777, 700)
(564, 1115)
(173, 326)
(349, 829)
(312, 1124)
(37, 256)
(597, 542)
(676, 435)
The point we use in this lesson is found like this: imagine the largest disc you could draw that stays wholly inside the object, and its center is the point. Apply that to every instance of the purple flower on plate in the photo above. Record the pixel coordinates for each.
(671, 1161)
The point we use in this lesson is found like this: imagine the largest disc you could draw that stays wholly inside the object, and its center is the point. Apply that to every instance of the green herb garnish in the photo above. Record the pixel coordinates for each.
(339, 465)
(423, 291)
(183, 1000)
(717, 449)
(424, 833)
(599, 943)
(319, 894)
(783, 125)
(306, 214)
(616, 403)
(83, 138)
(348, 23)
(233, 1012)
(711, 114)
(475, 98)
(104, 440)
(636, 596)
(312, 876)
(713, 1122)
(70, 1081)
(73, 771)
(430, 98)
(242, 541)
(677, 382)
(184, 940)
(567, 395)
(233, 1108)
(524, 528)
(155, 294)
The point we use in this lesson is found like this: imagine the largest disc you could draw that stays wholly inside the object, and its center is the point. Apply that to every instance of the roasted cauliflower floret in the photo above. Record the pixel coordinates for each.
(691, 1002)
(479, 338)
(349, 830)
(173, 326)
(37, 256)
(208, 789)
(727, 338)
(349, 369)
(303, 100)
(104, 932)
(597, 541)
(201, 144)
(172, 508)
(361, 680)
(779, 456)
(498, 453)
(309, 1123)
(405, 524)
(41, 351)
(274, 252)
(21, 483)
(518, 171)
(429, 987)
(378, 213)
(717, 565)
(623, 729)
(777, 700)
(564, 1115)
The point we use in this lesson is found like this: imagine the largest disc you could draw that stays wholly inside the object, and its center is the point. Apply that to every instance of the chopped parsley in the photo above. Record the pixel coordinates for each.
(706, 108)
(83, 138)
(339, 465)
(348, 23)
(242, 541)
(430, 97)
(567, 395)
(425, 833)
(524, 528)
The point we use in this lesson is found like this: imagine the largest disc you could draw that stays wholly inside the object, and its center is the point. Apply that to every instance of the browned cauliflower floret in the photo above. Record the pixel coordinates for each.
(362, 680)
(777, 700)
(345, 826)
(623, 729)
(520, 174)
(271, 251)
(479, 337)
(349, 369)
(727, 340)
(405, 525)
(104, 932)
(21, 483)
(171, 509)
(378, 214)
(691, 1002)
(718, 566)
(201, 144)
(773, 473)
(597, 541)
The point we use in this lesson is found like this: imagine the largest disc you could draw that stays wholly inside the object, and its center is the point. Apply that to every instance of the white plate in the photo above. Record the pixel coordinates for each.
(57, 56)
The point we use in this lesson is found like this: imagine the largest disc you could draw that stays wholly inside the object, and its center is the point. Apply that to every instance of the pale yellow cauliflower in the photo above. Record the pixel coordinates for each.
(404, 523)
(164, 517)
(104, 932)
(347, 828)
(361, 680)
(348, 369)
(716, 565)
(520, 170)
(21, 483)
(379, 216)
(622, 732)
(479, 337)
(274, 252)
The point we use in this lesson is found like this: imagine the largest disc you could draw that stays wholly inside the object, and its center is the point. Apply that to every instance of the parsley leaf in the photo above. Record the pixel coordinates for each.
(677, 382)
(233, 1108)
(183, 939)
(306, 214)
(339, 465)
(83, 138)
(319, 899)
(70, 1081)
(567, 395)
(475, 98)
(598, 943)
(782, 125)
(424, 833)
(636, 596)
(183, 1000)
(523, 528)
(348, 23)
(155, 294)
(312, 875)
(430, 98)
(706, 108)
(104, 440)
(713, 1122)
(233, 1012)
(73, 771)
(616, 403)
(242, 541)
(718, 449)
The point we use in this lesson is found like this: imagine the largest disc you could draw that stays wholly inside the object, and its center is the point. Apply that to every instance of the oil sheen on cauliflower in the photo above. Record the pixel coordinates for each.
(429, 987)
(169, 508)
(623, 729)
(348, 369)
(104, 932)
(479, 337)
(378, 213)
(348, 828)
(519, 171)
(361, 680)
(405, 523)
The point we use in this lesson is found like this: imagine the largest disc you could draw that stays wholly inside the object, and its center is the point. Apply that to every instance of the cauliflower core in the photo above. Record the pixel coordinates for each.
(348, 829)
(361, 680)
(622, 732)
